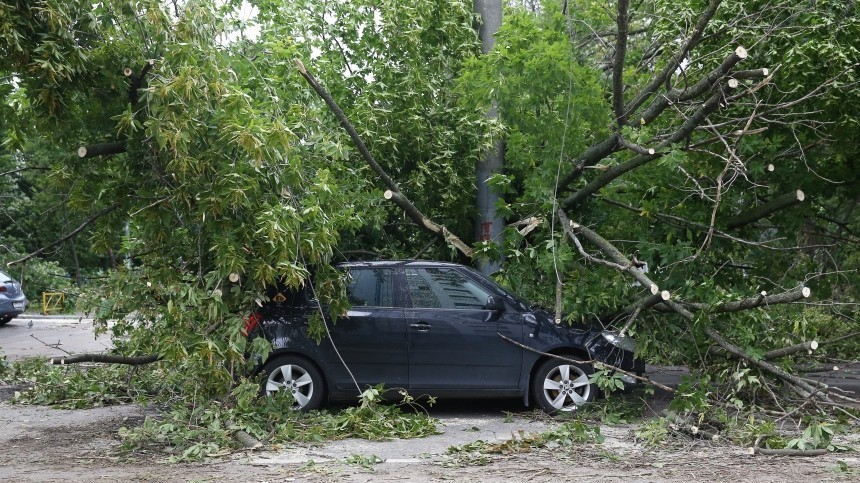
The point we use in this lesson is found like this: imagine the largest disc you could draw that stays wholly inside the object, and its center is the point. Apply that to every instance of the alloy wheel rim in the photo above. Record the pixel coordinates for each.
(566, 387)
(293, 379)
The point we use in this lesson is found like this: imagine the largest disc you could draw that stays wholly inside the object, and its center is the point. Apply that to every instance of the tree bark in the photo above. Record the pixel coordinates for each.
(753, 302)
(421, 220)
(593, 155)
(751, 74)
(670, 69)
(779, 203)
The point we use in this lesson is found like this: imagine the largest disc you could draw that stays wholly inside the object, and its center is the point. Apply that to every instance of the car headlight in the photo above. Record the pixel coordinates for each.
(620, 341)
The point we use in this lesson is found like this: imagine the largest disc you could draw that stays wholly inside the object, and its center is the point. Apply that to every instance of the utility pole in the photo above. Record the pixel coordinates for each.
(489, 224)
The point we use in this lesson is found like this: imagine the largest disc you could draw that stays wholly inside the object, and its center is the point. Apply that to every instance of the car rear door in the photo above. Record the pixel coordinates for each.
(371, 339)
(453, 341)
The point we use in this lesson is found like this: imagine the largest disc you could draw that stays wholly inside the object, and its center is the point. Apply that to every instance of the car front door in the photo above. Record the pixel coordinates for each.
(454, 342)
(371, 339)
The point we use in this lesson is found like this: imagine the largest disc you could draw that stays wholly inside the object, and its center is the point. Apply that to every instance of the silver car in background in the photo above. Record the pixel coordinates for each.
(12, 299)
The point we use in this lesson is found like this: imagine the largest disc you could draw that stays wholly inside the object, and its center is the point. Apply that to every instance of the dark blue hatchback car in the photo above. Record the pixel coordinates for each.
(433, 328)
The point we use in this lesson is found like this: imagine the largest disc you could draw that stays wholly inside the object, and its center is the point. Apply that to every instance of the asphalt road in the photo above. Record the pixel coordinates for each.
(32, 335)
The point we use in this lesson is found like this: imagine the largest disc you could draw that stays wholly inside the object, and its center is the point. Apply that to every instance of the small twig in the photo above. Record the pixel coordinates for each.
(52, 346)
(68, 236)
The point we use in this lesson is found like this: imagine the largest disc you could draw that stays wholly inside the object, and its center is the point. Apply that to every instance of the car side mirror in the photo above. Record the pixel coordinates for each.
(495, 304)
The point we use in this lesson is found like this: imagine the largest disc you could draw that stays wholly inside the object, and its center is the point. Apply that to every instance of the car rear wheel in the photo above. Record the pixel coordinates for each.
(297, 377)
(4, 320)
(561, 386)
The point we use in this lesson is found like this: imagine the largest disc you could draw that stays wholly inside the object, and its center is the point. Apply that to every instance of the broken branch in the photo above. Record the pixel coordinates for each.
(93, 150)
(393, 193)
(68, 236)
(779, 203)
(787, 351)
(106, 359)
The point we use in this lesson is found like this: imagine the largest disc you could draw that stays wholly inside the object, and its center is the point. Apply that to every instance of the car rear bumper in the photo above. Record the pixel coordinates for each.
(13, 306)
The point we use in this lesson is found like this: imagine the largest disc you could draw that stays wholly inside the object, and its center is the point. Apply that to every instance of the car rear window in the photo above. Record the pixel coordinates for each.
(370, 287)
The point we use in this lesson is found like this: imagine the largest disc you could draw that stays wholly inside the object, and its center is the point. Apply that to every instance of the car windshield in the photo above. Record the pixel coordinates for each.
(5, 278)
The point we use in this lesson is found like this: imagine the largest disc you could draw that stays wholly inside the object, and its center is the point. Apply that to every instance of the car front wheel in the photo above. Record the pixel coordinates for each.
(563, 386)
(297, 377)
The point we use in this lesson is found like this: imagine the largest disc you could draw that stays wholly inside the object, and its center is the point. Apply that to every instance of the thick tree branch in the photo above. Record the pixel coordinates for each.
(662, 102)
(350, 129)
(593, 155)
(753, 302)
(673, 64)
(416, 216)
(619, 259)
(622, 22)
(787, 452)
(68, 236)
(754, 214)
(711, 105)
(106, 359)
(137, 81)
(393, 193)
(116, 147)
(793, 349)
(751, 74)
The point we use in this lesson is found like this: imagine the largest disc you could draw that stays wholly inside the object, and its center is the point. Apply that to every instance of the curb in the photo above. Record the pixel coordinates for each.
(59, 316)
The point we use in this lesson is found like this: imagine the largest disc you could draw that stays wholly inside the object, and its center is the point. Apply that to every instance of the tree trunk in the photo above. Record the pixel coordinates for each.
(489, 224)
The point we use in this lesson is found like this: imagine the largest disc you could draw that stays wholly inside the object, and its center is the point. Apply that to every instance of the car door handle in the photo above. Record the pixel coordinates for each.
(421, 326)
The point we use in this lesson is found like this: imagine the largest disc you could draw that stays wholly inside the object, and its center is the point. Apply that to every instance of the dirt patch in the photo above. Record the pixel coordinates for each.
(51, 445)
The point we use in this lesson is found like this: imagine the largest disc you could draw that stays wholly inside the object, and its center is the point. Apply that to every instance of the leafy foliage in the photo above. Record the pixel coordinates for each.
(480, 453)
(204, 425)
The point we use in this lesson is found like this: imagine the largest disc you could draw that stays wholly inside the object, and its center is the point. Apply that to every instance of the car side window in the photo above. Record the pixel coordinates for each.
(370, 287)
(444, 288)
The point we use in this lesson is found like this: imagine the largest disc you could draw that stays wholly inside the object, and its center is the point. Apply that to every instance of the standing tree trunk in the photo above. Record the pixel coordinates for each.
(489, 224)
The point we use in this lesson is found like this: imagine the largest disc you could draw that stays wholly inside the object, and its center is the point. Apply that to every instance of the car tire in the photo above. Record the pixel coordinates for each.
(298, 376)
(562, 386)
(5, 320)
